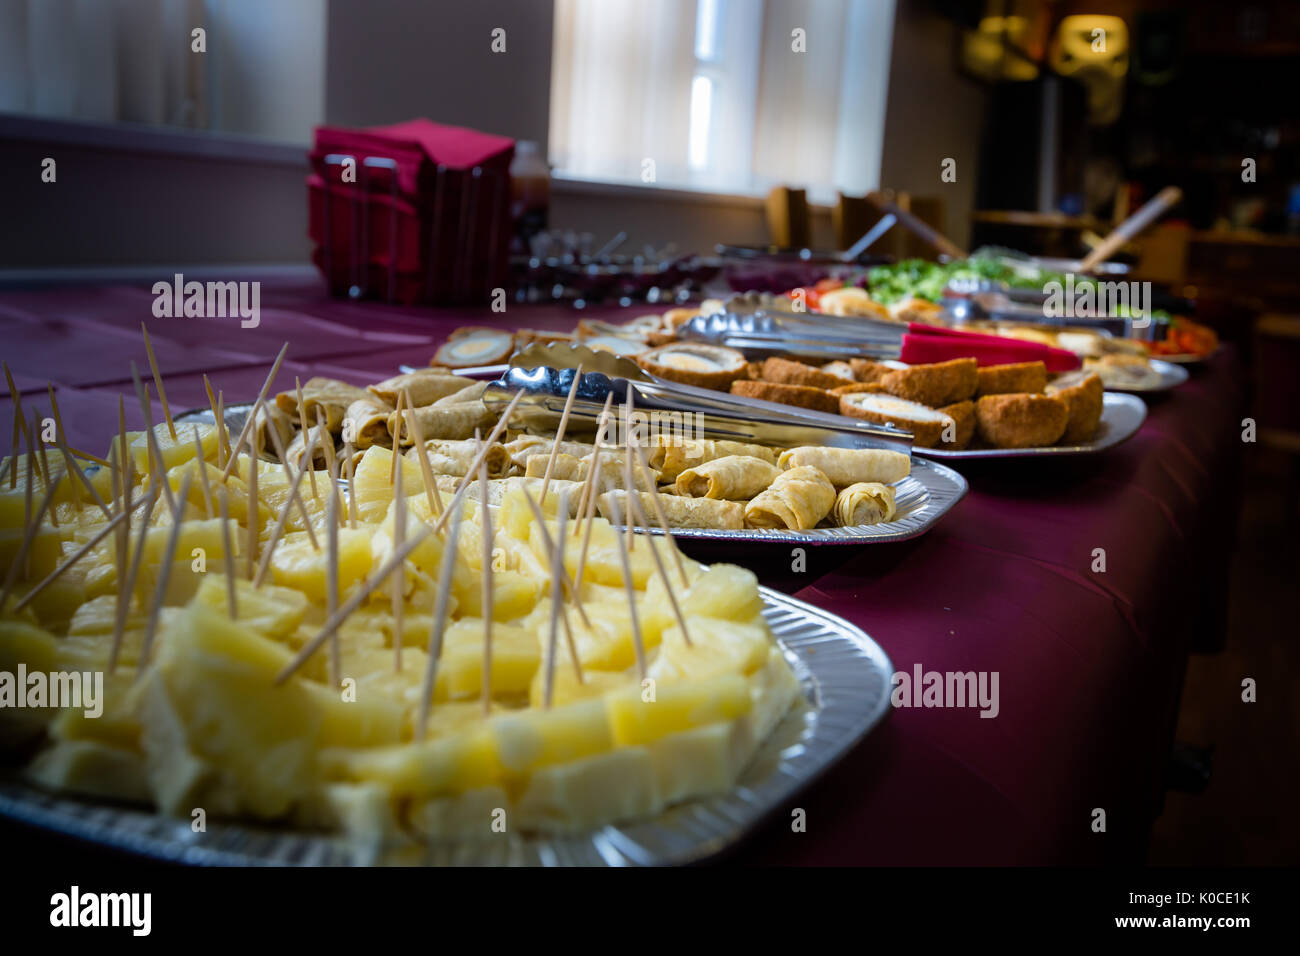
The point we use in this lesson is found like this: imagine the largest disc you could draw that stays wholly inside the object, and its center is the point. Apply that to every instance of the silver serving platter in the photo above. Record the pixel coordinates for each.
(1171, 376)
(1121, 416)
(921, 499)
(845, 677)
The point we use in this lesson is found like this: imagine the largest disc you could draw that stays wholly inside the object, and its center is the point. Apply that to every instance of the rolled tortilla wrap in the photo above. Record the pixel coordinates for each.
(612, 471)
(866, 502)
(297, 448)
(848, 466)
(367, 420)
(446, 422)
(525, 446)
(473, 393)
(456, 457)
(680, 512)
(735, 477)
(671, 456)
(271, 417)
(797, 499)
(568, 467)
(498, 488)
(425, 386)
(330, 395)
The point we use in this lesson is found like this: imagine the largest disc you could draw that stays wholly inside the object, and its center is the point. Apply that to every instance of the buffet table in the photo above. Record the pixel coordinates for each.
(1090, 664)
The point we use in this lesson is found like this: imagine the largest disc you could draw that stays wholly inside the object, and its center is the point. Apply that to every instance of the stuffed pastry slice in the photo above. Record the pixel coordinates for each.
(680, 512)
(456, 457)
(329, 395)
(424, 386)
(670, 456)
(366, 423)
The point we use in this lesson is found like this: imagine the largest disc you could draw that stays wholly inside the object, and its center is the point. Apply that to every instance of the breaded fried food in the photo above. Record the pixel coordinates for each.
(1008, 379)
(926, 424)
(674, 318)
(1083, 394)
(963, 416)
(873, 387)
(754, 371)
(865, 370)
(694, 363)
(935, 384)
(842, 370)
(801, 396)
(788, 372)
(1021, 420)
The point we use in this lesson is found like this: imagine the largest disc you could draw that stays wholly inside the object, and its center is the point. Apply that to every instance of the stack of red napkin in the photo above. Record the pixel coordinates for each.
(415, 212)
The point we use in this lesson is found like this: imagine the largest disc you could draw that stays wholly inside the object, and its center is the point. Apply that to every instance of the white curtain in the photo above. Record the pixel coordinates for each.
(622, 73)
(262, 72)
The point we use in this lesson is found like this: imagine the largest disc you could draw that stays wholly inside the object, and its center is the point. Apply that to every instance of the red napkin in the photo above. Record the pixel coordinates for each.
(929, 343)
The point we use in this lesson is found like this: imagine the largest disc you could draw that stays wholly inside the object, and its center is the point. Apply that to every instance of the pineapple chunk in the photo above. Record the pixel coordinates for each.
(295, 564)
(514, 595)
(724, 591)
(703, 761)
(515, 658)
(374, 492)
(716, 648)
(271, 611)
(604, 565)
(24, 644)
(174, 451)
(676, 707)
(535, 739)
(445, 765)
(606, 645)
(566, 689)
(590, 792)
(91, 768)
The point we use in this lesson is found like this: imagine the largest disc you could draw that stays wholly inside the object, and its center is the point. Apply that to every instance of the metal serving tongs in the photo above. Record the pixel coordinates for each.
(545, 375)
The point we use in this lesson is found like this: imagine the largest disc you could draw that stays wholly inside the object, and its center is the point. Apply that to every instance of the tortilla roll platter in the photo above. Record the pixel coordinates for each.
(379, 656)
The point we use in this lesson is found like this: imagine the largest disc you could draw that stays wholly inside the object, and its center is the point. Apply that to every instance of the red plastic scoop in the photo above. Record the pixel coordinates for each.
(929, 343)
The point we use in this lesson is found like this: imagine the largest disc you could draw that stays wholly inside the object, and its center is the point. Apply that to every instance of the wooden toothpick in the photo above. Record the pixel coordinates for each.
(276, 531)
(660, 515)
(439, 625)
(261, 397)
(157, 381)
(559, 432)
(397, 440)
(119, 623)
(421, 456)
(302, 419)
(30, 530)
(201, 465)
(232, 606)
(485, 529)
(630, 590)
(398, 580)
(296, 495)
(164, 574)
(332, 581)
(549, 547)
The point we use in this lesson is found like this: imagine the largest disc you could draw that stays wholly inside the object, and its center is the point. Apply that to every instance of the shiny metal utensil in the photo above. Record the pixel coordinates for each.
(696, 412)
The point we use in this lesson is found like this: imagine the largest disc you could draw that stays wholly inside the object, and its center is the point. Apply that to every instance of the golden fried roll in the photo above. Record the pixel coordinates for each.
(866, 502)
(656, 339)
(787, 372)
(366, 423)
(917, 310)
(849, 466)
(867, 371)
(446, 422)
(754, 371)
(926, 424)
(963, 417)
(456, 457)
(797, 499)
(681, 512)
(735, 477)
(671, 456)
(799, 396)
(613, 470)
(568, 467)
(271, 417)
(939, 383)
(1084, 395)
(526, 446)
(296, 452)
(874, 387)
(1013, 378)
(498, 488)
(694, 363)
(329, 395)
(425, 386)
(1021, 420)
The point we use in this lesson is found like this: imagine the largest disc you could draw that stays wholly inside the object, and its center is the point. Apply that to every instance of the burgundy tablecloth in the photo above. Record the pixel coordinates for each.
(1090, 664)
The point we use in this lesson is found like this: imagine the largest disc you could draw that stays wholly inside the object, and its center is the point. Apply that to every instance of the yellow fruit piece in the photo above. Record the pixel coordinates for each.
(270, 610)
(566, 688)
(603, 563)
(174, 451)
(91, 768)
(374, 491)
(608, 644)
(117, 725)
(445, 765)
(716, 648)
(515, 658)
(514, 595)
(295, 564)
(703, 761)
(676, 707)
(534, 739)
(590, 792)
(723, 591)
(35, 650)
